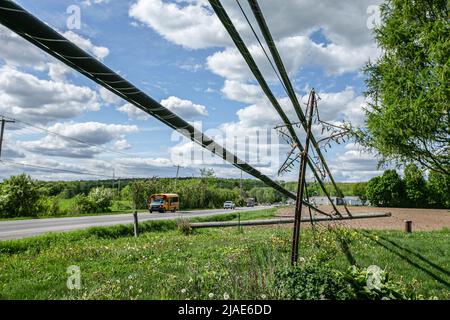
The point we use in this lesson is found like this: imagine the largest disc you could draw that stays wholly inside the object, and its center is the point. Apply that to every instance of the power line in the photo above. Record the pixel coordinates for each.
(44, 37)
(261, 45)
(53, 169)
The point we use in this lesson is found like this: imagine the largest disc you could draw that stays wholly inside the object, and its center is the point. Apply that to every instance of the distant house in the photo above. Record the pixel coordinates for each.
(324, 201)
(354, 201)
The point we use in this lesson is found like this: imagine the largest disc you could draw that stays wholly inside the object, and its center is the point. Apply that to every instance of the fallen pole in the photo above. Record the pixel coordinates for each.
(198, 225)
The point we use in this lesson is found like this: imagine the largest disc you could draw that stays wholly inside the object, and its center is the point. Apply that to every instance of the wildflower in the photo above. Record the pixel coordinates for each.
(131, 287)
(140, 290)
(183, 290)
(211, 295)
(190, 279)
(226, 296)
(263, 296)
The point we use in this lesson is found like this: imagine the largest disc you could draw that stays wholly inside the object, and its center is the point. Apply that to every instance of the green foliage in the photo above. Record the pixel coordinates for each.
(50, 206)
(314, 281)
(439, 190)
(415, 187)
(101, 199)
(408, 85)
(82, 204)
(387, 190)
(19, 197)
(360, 190)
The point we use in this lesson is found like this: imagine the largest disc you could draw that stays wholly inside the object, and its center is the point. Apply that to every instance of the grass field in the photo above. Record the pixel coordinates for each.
(163, 263)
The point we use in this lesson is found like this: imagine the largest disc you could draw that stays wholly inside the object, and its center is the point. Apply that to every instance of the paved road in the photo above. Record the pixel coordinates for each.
(15, 229)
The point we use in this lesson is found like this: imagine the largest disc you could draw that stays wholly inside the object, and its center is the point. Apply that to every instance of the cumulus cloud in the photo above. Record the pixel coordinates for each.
(87, 139)
(133, 112)
(98, 51)
(192, 25)
(41, 101)
(296, 51)
(184, 108)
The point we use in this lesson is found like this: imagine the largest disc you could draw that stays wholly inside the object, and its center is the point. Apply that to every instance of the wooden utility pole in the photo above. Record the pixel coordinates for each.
(2, 129)
(301, 181)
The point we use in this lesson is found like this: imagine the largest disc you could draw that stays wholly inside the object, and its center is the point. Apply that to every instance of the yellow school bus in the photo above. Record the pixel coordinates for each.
(163, 202)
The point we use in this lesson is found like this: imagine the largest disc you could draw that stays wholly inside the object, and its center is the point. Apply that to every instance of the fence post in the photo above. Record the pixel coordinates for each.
(136, 222)
(408, 226)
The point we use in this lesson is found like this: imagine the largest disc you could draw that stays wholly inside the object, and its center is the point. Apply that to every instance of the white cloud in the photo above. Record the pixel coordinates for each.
(133, 112)
(89, 137)
(296, 51)
(37, 100)
(184, 108)
(98, 51)
(190, 25)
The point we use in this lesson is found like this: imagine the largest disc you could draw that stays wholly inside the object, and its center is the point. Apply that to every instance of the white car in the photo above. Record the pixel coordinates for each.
(228, 205)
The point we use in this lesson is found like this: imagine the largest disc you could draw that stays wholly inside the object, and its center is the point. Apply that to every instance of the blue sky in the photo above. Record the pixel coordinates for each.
(179, 54)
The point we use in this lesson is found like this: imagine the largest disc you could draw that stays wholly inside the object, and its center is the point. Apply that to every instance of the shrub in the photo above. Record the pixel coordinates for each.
(101, 199)
(83, 204)
(49, 206)
(312, 281)
(19, 197)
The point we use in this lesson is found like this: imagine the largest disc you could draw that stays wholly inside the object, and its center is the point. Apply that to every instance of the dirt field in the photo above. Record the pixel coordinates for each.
(422, 219)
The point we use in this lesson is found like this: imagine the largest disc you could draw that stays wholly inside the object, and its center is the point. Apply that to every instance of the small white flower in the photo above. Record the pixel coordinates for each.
(263, 296)
(131, 287)
(140, 290)
(226, 296)
(183, 290)
(302, 260)
(130, 277)
(191, 280)
(211, 295)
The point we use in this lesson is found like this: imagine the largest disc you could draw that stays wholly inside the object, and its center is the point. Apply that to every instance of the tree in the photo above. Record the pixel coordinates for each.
(387, 190)
(407, 119)
(101, 198)
(439, 190)
(359, 190)
(415, 187)
(19, 196)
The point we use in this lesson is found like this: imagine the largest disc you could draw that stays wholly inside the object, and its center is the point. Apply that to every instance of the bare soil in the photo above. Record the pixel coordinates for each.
(422, 219)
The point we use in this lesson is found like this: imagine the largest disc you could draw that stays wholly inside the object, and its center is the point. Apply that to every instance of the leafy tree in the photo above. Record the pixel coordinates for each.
(387, 190)
(101, 198)
(19, 197)
(439, 190)
(359, 190)
(407, 119)
(415, 187)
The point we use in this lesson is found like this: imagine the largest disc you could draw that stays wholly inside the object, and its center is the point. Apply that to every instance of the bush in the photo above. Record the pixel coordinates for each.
(49, 206)
(82, 204)
(19, 197)
(313, 281)
(101, 199)
(387, 190)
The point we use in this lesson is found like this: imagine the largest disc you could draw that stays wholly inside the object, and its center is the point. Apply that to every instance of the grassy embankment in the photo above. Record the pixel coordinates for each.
(166, 264)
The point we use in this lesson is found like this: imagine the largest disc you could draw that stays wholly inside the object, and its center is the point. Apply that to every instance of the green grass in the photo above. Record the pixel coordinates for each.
(165, 264)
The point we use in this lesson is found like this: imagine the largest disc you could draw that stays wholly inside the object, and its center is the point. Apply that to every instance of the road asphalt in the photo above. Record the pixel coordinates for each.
(15, 229)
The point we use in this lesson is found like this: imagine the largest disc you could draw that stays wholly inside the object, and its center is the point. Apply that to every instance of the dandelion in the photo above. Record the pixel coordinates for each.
(226, 296)
(211, 295)
(183, 290)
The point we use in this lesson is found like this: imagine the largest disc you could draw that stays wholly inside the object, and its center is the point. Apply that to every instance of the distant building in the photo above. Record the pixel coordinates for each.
(354, 201)
(324, 201)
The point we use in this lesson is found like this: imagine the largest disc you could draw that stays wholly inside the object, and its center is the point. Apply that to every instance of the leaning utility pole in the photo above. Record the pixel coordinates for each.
(301, 181)
(2, 129)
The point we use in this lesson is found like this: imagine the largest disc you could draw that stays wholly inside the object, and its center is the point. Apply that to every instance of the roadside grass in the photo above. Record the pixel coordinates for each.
(208, 264)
